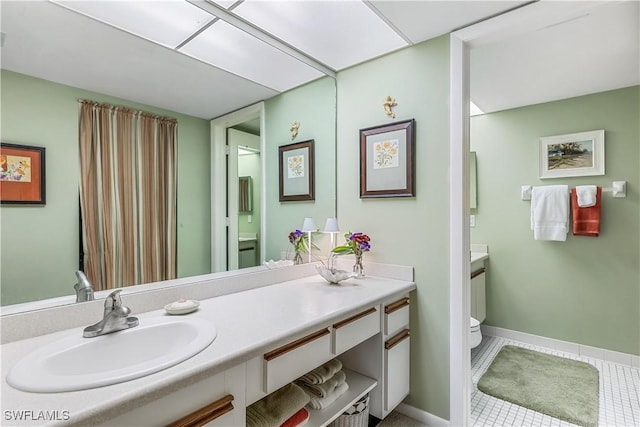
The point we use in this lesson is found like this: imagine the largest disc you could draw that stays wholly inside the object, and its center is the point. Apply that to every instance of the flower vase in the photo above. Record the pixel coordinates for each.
(297, 259)
(358, 268)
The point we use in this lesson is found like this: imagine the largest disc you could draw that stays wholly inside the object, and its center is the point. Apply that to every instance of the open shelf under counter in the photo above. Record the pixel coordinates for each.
(359, 385)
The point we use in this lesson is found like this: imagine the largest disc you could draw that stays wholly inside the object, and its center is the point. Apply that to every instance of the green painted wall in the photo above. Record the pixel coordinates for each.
(585, 290)
(39, 244)
(407, 231)
(314, 106)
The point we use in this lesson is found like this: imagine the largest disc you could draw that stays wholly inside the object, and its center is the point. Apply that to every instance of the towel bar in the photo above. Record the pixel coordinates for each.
(618, 190)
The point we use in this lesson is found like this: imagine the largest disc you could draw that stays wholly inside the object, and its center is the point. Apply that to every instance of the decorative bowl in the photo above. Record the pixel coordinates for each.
(333, 276)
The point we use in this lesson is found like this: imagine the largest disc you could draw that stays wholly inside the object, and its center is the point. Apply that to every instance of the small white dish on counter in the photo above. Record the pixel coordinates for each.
(182, 306)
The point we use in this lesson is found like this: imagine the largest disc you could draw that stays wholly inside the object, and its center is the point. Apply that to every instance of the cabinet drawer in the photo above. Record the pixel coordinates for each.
(396, 316)
(355, 329)
(396, 369)
(290, 361)
(214, 401)
(210, 415)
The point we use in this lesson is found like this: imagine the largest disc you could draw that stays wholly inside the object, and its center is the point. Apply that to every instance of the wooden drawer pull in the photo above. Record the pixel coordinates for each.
(477, 272)
(295, 344)
(353, 318)
(207, 414)
(394, 306)
(392, 342)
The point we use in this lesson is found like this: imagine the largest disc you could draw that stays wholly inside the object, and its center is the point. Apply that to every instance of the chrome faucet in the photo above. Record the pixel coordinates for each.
(84, 288)
(116, 317)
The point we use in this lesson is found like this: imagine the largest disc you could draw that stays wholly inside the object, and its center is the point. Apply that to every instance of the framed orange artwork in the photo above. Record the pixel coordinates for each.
(22, 174)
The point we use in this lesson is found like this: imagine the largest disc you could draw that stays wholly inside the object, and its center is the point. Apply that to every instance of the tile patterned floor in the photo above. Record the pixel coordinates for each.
(619, 392)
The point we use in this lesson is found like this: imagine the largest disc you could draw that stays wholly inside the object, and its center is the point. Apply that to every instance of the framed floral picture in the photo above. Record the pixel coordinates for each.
(574, 154)
(297, 171)
(387, 160)
(22, 174)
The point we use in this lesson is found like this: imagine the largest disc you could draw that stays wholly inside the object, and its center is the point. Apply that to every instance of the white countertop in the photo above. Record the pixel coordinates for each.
(478, 256)
(248, 323)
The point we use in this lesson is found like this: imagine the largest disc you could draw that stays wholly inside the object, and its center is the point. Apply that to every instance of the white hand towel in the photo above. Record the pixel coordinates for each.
(550, 212)
(586, 195)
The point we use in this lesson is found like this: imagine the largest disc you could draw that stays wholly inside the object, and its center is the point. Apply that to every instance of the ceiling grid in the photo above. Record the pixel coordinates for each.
(247, 51)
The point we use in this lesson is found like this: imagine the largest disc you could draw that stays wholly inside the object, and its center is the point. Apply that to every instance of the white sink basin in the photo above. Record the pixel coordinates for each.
(77, 363)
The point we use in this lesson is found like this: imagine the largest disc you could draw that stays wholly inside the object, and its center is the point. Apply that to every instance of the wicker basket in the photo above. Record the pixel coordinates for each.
(356, 416)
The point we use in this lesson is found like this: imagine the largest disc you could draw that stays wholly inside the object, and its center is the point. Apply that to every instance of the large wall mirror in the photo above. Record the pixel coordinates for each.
(40, 244)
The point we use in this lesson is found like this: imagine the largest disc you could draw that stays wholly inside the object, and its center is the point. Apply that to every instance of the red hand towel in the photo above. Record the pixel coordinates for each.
(586, 221)
(297, 419)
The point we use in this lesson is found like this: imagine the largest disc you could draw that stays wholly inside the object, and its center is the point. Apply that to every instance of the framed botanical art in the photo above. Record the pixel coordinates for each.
(387, 160)
(297, 171)
(575, 154)
(22, 174)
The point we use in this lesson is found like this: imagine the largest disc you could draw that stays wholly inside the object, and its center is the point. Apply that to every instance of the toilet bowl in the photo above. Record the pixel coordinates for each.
(475, 335)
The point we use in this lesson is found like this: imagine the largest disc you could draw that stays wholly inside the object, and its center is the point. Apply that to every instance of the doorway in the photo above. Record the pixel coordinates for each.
(243, 202)
(225, 184)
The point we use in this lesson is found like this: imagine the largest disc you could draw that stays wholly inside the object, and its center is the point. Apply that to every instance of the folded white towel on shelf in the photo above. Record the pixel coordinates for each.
(550, 212)
(586, 195)
(324, 402)
(326, 388)
(322, 373)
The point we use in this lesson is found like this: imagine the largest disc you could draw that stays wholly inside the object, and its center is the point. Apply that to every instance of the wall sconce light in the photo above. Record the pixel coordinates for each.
(331, 227)
(309, 226)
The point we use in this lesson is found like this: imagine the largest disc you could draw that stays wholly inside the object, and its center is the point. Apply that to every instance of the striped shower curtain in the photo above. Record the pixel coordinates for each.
(127, 195)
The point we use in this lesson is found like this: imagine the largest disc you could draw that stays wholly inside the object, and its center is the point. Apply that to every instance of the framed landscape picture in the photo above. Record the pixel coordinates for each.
(575, 154)
(296, 171)
(22, 174)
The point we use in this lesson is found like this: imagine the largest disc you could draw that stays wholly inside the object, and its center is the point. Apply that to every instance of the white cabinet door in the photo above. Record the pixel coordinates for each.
(396, 369)
(478, 295)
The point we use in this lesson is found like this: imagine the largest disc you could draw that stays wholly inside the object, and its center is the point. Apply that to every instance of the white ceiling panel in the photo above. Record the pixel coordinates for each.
(231, 49)
(50, 42)
(337, 33)
(423, 20)
(168, 23)
(579, 53)
(542, 51)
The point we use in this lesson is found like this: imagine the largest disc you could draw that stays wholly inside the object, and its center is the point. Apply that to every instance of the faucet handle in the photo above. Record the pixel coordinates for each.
(113, 300)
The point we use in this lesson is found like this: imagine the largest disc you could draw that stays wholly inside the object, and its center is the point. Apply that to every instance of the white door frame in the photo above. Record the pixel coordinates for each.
(459, 245)
(522, 19)
(219, 219)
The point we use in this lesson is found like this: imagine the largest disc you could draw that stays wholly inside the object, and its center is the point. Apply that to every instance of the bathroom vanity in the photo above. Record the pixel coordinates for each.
(269, 332)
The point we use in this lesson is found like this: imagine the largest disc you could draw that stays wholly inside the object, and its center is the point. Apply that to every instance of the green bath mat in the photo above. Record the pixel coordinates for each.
(562, 388)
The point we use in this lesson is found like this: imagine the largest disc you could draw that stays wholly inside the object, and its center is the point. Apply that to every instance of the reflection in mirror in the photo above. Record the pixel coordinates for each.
(244, 194)
(244, 168)
(57, 248)
(473, 186)
(313, 106)
(40, 245)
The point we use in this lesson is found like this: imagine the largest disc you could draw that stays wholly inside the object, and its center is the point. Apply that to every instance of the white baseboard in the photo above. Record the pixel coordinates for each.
(420, 415)
(566, 346)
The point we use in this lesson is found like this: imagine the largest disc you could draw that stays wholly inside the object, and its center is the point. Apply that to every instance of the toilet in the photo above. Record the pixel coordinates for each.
(475, 335)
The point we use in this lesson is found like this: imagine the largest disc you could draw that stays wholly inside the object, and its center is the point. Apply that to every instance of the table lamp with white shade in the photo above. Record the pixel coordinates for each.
(331, 227)
(309, 226)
